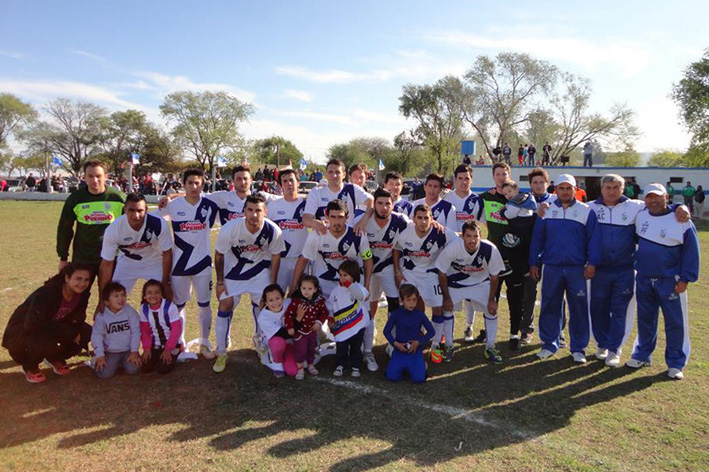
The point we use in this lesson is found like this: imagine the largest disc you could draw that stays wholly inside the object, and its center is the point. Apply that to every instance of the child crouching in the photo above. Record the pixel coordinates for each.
(116, 334)
(272, 325)
(408, 341)
(160, 329)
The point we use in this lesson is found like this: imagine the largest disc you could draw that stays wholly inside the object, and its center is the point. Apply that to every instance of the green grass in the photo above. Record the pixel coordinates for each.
(522, 416)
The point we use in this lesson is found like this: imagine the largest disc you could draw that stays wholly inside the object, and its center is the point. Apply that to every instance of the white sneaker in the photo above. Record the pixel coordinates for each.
(206, 352)
(544, 354)
(339, 370)
(186, 356)
(613, 359)
(371, 362)
(602, 354)
(469, 337)
(356, 372)
(675, 374)
(636, 364)
(579, 357)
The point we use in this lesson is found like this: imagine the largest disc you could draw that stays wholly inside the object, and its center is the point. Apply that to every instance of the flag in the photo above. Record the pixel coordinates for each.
(221, 162)
(56, 161)
(135, 158)
(303, 163)
(381, 165)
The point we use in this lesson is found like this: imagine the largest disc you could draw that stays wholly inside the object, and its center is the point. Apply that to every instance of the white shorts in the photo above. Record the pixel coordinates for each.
(427, 285)
(383, 282)
(254, 287)
(182, 287)
(477, 296)
(128, 277)
(285, 272)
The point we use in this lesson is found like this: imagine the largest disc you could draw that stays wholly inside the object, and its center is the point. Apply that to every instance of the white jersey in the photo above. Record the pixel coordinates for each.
(247, 255)
(443, 212)
(136, 249)
(231, 206)
(289, 217)
(382, 240)
(470, 207)
(404, 207)
(191, 225)
(468, 270)
(419, 253)
(352, 195)
(328, 252)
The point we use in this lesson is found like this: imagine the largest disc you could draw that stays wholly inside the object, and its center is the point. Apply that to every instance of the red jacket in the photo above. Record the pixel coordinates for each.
(315, 311)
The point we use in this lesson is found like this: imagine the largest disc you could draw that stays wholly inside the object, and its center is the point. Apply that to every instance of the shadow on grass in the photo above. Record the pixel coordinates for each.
(465, 407)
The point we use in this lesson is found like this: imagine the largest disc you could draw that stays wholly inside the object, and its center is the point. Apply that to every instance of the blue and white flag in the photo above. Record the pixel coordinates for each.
(56, 161)
(381, 165)
(221, 161)
(135, 158)
(303, 163)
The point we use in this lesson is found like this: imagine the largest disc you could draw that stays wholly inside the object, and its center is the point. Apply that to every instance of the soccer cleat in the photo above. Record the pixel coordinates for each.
(675, 374)
(579, 357)
(220, 363)
(636, 364)
(59, 367)
(493, 356)
(206, 352)
(526, 339)
(339, 370)
(481, 338)
(436, 355)
(312, 370)
(356, 372)
(300, 375)
(544, 354)
(514, 343)
(613, 359)
(448, 354)
(602, 354)
(468, 335)
(371, 362)
(34, 375)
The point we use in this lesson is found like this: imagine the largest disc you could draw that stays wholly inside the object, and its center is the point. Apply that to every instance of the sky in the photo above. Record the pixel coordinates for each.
(323, 72)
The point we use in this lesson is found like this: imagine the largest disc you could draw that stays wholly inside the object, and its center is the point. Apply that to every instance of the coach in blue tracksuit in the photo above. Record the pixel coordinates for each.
(567, 241)
(667, 259)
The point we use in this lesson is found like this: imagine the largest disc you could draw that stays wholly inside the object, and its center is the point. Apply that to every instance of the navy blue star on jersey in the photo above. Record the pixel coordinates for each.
(205, 216)
(153, 227)
(348, 240)
(264, 238)
(397, 224)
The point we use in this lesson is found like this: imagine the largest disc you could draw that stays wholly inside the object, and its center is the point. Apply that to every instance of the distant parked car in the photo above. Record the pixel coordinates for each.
(306, 186)
(14, 185)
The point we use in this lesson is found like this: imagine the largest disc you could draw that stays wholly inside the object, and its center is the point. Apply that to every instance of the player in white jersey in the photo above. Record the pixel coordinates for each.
(468, 205)
(441, 210)
(417, 247)
(247, 256)
(468, 272)
(287, 213)
(352, 195)
(232, 203)
(137, 245)
(192, 218)
(394, 182)
(327, 252)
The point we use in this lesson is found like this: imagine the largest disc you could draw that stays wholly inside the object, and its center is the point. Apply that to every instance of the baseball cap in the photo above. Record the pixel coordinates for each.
(657, 189)
(566, 179)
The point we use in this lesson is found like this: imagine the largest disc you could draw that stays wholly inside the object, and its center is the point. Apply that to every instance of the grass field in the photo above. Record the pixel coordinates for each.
(524, 415)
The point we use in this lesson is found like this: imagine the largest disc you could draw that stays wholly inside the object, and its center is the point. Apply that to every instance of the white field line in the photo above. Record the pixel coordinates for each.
(454, 412)
(19, 285)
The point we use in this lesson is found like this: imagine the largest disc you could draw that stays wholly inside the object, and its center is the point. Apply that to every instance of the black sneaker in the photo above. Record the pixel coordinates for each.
(481, 337)
(514, 344)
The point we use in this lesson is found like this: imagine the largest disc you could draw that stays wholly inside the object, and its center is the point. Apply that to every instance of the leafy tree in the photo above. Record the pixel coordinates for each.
(206, 123)
(692, 96)
(409, 155)
(501, 92)
(14, 116)
(626, 158)
(367, 150)
(436, 110)
(277, 150)
(666, 158)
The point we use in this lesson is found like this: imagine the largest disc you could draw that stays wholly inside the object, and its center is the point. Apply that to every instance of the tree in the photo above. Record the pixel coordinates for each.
(692, 96)
(75, 132)
(409, 154)
(14, 116)
(436, 110)
(500, 93)
(577, 125)
(206, 123)
(626, 158)
(277, 150)
(666, 158)
(366, 150)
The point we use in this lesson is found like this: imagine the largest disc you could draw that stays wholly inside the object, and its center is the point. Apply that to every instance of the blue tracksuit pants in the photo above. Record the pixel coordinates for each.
(653, 294)
(611, 293)
(401, 363)
(557, 280)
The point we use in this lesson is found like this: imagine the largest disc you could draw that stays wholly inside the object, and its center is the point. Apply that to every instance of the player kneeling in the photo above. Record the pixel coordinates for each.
(404, 331)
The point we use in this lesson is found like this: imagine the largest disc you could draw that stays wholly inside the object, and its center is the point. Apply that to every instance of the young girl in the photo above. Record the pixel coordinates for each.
(160, 329)
(270, 321)
(349, 318)
(304, 318)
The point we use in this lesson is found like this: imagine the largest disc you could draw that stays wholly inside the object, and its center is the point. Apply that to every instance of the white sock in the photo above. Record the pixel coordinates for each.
(438, 330)
(369, 337)
(223, 327)
(254, 312)
(205, 322)
(491, 331)
(469, 314)
(448, 327)
(183, 317)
